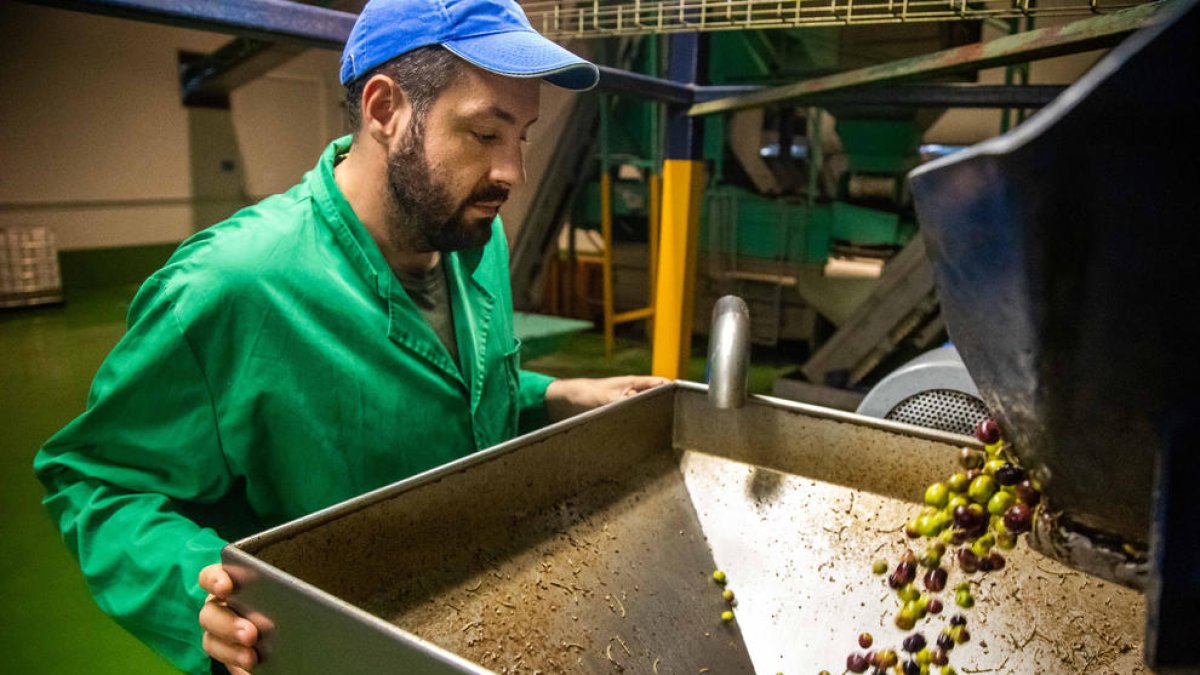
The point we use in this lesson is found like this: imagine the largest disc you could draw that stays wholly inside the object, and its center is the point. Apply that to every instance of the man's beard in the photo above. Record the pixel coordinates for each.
(426, 217)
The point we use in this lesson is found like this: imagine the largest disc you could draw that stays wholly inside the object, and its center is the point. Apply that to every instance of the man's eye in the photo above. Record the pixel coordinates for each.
(485, 138)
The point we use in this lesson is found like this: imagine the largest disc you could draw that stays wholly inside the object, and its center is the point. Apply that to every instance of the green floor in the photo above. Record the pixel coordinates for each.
(47, 359)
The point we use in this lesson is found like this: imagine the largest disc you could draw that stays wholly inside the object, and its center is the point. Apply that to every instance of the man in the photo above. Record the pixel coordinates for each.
(349, 333)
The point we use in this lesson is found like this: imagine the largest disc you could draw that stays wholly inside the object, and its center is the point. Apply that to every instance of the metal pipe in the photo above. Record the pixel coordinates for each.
(729, 353)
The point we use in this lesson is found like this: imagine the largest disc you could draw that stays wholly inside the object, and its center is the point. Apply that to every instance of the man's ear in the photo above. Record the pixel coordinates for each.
(385, 110)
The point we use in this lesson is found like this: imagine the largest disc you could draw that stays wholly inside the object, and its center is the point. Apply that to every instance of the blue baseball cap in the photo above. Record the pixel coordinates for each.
(494, 35)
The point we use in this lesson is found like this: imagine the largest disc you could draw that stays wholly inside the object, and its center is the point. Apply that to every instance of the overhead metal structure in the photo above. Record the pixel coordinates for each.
(561, 19)
(1083, 35)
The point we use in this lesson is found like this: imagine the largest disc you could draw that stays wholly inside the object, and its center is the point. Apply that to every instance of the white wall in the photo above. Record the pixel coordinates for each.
(95, 142)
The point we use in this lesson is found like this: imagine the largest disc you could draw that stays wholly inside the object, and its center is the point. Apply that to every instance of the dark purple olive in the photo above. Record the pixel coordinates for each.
(945, 642)
(958, 620)
(894, 581)
(939, 657)
(1018, 518)
(856, 663)
(1009, 474)
(864, 641)
(911, 668)
(879, 671)
(908, 556)
(985, 564)
(905, 572)
(914, 643)
(935, 579)
(967, 560)
(987, 431)
(934, 606)
(1028, 494)
(957, 536)
(996, 560)
(969, 516)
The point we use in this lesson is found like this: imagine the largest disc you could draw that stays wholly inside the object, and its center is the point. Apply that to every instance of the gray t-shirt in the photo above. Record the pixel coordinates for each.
(428, 290)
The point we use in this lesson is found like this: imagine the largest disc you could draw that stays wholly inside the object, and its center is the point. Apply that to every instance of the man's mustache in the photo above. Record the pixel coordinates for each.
(490, 193)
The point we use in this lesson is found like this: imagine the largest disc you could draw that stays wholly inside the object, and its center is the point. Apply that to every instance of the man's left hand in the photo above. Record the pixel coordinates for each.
(565, 398)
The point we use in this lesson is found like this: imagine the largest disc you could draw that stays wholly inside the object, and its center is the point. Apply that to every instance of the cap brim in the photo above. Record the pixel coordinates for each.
(523, 53)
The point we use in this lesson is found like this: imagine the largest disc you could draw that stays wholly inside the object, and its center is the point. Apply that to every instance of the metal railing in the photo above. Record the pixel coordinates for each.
(562, 19)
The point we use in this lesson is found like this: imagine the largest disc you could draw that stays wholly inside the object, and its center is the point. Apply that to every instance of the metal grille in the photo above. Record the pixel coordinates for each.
(943, 409)
(561, 19)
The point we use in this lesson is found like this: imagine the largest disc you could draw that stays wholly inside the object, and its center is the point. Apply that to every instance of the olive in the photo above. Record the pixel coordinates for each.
(719, 576)
(924, 656)
(1018, 518)
(911, 668)
(935, 579)
(910, 530)
(957, 536)
(865, 640)
(999, 503)
(1010, 474)
(937, 494)
(1006, 540)
(971, 459)
(727, 594)
(987, 431)
(959, 619)
(992, 466)
(949, 670)
(997, 560)
(913, 643)
(934, 606)
(886, 658)
(985, 564)
(940, 657)
(856, 663)
(907, 593)
(906, 618)
(957, 482)
(964, 599)
(727, 616)
(967, 560)
(879, 567)
(960, 634)
(944, 641)
(1028, 494)
(969, 516)
(908, 556)
(982, 489)
(931, 559)
(905, 572)
(939, 548)
(957, 501)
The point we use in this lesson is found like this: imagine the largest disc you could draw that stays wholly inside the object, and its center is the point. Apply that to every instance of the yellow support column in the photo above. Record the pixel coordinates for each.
(683, 184)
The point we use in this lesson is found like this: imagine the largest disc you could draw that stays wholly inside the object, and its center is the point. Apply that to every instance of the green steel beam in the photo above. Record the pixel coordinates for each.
(1078, 36)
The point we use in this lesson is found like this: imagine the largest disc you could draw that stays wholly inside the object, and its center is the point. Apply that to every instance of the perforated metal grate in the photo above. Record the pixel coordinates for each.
(943, 409)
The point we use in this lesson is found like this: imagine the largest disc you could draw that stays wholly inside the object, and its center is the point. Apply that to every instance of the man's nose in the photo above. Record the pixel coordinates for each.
(508, 166)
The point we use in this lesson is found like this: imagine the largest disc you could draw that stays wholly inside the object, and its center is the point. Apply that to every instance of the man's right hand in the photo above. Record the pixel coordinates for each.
(228, 638)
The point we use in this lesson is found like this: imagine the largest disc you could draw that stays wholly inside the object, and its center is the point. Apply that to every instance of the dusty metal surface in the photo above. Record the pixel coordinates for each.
(589, 548)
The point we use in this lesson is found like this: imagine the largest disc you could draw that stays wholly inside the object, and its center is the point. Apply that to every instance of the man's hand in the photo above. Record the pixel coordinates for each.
(228, 637)
(565, 398)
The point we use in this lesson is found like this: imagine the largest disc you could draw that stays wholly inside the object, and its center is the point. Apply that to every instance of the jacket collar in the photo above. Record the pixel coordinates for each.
(470, 300)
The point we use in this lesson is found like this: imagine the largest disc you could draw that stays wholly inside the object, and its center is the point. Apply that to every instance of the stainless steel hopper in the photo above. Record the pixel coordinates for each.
(589, 547)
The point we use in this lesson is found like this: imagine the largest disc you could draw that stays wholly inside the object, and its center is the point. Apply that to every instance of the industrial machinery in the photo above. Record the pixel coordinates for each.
(933, 390)
(588, 546)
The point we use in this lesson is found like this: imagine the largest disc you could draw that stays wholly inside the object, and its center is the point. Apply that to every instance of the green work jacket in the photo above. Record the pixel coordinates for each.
(273, 367)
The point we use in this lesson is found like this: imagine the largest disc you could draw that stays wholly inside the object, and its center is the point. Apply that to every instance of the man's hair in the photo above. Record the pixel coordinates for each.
(422, 73)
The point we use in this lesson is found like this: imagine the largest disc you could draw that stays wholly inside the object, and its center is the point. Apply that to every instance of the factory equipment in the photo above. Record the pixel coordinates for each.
(589, 546)
(933, 390)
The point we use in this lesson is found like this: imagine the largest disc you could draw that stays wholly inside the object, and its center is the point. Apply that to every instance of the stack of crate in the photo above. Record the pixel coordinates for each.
(29, 272)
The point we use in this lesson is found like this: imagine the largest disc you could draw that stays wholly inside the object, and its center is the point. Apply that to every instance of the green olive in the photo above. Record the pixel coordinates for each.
(879, 567)
(719, 576)
(1006, 540)
(727, 616)
(992, 466)
(937, 494)
(908, 593)
(964, 599)
(982, 489)
(958, 482)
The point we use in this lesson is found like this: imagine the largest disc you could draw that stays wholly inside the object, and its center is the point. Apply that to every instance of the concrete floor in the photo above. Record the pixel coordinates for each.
(47, 359)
